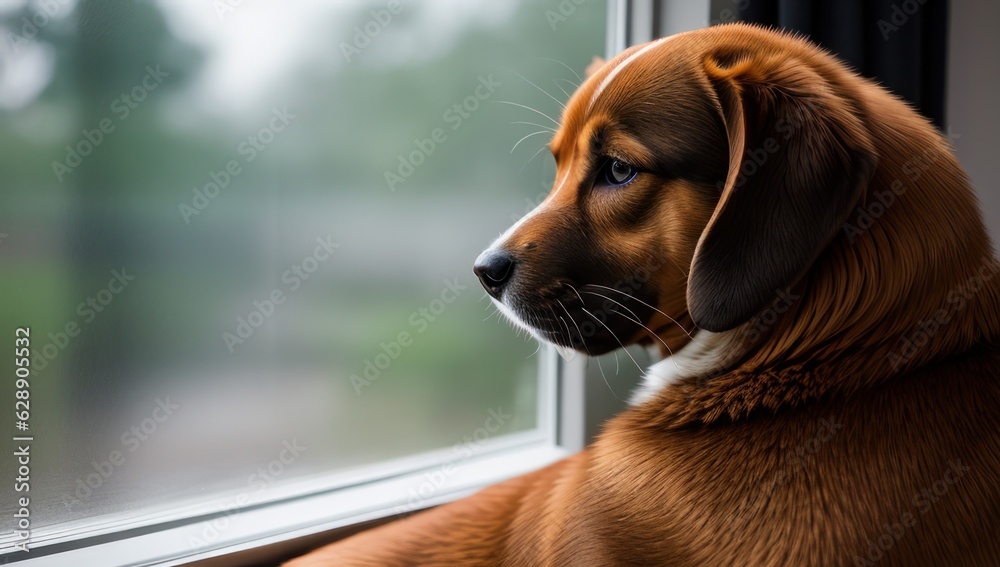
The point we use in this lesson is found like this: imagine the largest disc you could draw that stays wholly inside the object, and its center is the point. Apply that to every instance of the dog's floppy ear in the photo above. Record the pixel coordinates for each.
(800, 160)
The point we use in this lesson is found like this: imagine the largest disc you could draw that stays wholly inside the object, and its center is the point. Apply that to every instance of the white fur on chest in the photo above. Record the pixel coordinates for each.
(705, 353)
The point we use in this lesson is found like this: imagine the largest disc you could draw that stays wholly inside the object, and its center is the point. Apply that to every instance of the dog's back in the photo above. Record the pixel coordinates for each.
(907, 474)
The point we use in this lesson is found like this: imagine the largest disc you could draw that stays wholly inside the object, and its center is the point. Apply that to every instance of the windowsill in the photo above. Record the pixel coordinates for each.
(158, 540)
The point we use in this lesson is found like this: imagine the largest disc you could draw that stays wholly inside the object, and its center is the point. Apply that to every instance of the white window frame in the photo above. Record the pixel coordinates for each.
(332, 504)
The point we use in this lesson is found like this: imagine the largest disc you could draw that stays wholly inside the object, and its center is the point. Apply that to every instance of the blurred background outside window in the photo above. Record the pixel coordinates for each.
(242, 233)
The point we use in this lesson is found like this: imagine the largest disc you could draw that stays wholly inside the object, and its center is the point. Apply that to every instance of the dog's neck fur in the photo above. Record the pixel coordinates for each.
(916, 284)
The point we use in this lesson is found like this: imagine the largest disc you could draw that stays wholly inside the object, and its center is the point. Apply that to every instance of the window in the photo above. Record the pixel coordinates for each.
(241, 235)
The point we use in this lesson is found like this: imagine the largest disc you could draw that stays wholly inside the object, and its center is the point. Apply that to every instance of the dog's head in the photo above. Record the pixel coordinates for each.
(697, 176)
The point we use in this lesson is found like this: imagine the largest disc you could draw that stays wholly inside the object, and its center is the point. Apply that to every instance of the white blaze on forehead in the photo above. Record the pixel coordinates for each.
(625, 63)
(541, 206)
(604, 83)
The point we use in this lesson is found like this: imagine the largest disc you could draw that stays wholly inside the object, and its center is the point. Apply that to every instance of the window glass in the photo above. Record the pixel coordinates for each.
(242, 235)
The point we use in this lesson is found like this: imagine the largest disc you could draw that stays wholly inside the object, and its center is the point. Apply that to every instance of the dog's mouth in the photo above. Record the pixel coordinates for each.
(590, 318)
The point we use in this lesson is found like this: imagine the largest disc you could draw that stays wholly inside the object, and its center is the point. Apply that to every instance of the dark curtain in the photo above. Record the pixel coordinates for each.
(902, 44)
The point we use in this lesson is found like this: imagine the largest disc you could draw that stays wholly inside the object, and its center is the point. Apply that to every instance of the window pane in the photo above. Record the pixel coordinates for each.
(243, 238)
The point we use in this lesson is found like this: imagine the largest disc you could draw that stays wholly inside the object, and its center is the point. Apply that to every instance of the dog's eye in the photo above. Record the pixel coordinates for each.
(617, 173)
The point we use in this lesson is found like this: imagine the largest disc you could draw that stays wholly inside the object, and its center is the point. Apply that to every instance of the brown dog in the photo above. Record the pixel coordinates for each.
(818, 267)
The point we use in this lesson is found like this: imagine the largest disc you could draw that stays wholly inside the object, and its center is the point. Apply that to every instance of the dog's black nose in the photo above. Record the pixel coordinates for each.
(494, 269)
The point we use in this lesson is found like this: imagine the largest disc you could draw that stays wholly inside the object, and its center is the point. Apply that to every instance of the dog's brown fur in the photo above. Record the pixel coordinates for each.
(848, 430)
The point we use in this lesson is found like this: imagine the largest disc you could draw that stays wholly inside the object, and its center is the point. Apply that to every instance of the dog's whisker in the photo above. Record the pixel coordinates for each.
(620, 343)
(526, 137)
(617, 367)
(554, 121)
(577, 75)
(682, 270)
(569, 332)
(578, 296)
(558, 316)
(613, 301)
(572, 85)
(537, 348)
(545, 92)
(644, 303)
(540, 150)
(582, 339)
(617, 362)
(635, 320)
(605, 376)
(569, 337)
(549, 128)
(558, 86)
